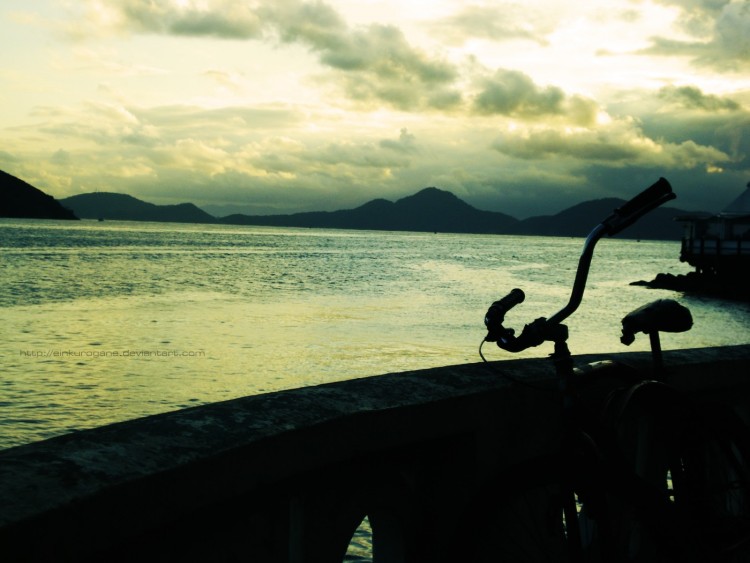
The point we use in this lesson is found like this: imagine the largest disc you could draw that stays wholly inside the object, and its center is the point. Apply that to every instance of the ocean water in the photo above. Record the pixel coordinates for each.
(109, 321)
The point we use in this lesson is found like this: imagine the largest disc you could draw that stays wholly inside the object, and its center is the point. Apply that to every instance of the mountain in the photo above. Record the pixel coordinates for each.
(105, 205)
(577, 221)
(21, 200)
(436, 210)
(430, 210)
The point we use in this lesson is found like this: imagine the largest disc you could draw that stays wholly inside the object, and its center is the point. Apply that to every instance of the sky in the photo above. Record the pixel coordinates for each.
(281, 106)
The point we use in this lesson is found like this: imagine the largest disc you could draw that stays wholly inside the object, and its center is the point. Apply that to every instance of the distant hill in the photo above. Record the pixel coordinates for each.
(105, 205)
(430, 209)
(577, 221)
(21, 200)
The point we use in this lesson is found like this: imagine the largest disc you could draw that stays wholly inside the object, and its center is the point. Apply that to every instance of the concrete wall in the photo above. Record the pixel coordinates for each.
(288, 476)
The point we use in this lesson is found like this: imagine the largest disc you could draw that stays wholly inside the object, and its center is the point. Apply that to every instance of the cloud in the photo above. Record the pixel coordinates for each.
(513, 93)
(691, 97)
(108, 143)
(678, 113)
(497, 135)
(7, 158)
(61, 157)
(720, 30)
(732, 32)
(618, 144)
(493, 22)
(373, 65)
(350, 157)
(376, 64)
(685, 113)
(510, 92)
(405, 144)
(190, 153)
(227, 80)
(697, 17)
(103, 61)
(313, 23)
(218, 18)
(261, 158)
(225, 121)
(97, 125)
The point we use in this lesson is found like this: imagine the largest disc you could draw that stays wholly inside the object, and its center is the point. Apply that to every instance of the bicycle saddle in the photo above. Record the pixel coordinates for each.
(665, 315)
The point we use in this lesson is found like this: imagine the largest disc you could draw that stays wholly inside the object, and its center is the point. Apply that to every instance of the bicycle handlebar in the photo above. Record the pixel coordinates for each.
(496, 313)
(652, 197)
(543, 329)
(498, 309)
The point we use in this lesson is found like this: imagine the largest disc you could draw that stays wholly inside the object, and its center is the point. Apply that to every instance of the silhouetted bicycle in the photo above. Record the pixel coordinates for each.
(643, 473)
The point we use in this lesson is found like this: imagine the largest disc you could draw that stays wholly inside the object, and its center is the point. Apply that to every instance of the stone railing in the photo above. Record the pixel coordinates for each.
(288, 476)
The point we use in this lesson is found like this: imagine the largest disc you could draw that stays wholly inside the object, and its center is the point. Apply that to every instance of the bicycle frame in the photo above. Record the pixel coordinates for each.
(552, 329)
(603, 457)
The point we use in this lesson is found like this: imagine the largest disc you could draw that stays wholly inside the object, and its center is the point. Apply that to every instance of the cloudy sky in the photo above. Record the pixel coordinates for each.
(277, 106)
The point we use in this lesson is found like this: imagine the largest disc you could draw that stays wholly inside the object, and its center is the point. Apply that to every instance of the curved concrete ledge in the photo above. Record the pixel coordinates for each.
(288, 476)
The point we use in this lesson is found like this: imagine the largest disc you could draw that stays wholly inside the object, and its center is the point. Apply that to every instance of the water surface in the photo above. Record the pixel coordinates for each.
(108, 321)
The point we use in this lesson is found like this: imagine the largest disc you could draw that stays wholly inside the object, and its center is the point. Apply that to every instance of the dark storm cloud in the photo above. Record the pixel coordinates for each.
(696, 189)
(616, 147)
(686, 112)
(730, 136)
(700, 141)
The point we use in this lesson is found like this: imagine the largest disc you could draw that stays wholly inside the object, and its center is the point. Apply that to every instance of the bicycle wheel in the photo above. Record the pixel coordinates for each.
(695, 454)
(712, 480)
(519, 516)
(619, 516)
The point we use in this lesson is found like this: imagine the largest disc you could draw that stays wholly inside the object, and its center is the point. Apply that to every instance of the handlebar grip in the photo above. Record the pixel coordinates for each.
(496, 313)
(652, 194)
(650, 198)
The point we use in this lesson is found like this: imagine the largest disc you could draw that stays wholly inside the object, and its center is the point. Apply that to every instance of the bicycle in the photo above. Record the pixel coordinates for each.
(614, 491)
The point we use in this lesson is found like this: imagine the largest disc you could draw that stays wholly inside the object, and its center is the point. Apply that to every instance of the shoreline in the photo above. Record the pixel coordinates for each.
(700, 284)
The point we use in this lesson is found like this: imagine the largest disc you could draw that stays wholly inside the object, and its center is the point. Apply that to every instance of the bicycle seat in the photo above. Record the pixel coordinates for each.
(665, 315)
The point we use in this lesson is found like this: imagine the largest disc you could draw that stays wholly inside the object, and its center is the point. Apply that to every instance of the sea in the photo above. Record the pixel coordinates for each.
(109, 321)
